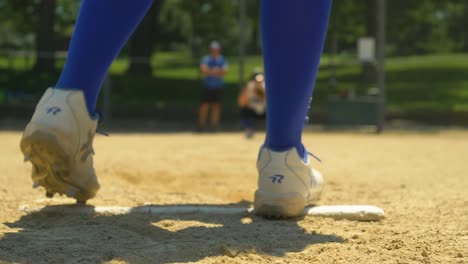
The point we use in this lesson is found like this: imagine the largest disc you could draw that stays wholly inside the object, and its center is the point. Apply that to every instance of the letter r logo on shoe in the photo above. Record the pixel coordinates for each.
(53, 110)
(277, 178)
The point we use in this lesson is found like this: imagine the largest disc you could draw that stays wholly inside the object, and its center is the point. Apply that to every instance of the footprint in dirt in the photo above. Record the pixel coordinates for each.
(139, 238)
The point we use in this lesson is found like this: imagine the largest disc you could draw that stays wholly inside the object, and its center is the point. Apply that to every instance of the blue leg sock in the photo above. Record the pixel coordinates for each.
(293, 34)
(101, 30)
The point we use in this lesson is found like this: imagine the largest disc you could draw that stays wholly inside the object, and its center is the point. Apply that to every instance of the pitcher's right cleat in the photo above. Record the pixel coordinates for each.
(58, 141)
(286, 184)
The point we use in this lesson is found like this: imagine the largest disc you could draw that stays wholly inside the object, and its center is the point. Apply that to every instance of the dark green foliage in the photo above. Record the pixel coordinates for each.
(429, 83)
(414, 27)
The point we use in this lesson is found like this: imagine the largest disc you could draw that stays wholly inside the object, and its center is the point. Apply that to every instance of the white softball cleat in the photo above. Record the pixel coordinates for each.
(58, 141)
(286, 184)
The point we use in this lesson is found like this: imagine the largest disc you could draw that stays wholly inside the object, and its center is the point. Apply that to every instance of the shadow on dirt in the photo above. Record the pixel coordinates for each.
(143, 238)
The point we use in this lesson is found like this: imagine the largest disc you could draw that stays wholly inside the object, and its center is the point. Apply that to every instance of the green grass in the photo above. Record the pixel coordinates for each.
(418, 83)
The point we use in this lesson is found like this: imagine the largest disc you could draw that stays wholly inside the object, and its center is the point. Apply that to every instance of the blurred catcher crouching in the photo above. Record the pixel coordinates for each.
(252, 103)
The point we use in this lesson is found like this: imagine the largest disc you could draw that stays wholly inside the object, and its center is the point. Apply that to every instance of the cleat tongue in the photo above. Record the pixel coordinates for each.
(35, 184)
(49, 194)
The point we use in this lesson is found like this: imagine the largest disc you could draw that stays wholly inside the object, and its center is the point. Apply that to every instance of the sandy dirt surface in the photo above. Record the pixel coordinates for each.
(420, 179)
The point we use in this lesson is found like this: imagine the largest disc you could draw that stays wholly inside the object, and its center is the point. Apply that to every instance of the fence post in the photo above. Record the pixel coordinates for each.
(381, 39)
(242, 14)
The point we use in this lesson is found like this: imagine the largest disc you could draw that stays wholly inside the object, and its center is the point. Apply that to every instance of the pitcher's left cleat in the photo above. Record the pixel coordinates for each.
(286, 184)
(58, 142)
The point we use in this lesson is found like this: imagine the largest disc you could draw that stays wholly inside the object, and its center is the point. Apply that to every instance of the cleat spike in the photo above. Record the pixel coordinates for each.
(40, 175)
(49, 194)
(27, 158)
(71, 193)
(35, 184)
(56, 167)
(80, 202)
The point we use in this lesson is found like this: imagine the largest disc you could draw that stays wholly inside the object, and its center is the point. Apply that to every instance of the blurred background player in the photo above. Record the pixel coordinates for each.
(252, 102)
(58, 140)
(213, 67)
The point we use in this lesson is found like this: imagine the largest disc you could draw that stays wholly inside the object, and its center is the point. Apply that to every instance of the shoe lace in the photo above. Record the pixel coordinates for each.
(87, 148)
(100, 117)
(314, 156)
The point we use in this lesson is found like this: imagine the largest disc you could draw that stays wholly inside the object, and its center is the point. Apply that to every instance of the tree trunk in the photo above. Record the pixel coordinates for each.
(257, 49)
(254, 15)
(45, 46)
(143, 40)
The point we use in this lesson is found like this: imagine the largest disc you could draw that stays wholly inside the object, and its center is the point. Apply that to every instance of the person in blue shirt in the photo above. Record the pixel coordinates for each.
(213, 68)
(59, 138)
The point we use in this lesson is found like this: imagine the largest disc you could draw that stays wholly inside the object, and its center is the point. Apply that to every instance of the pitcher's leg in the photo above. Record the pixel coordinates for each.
(293, 34)
(101, 30)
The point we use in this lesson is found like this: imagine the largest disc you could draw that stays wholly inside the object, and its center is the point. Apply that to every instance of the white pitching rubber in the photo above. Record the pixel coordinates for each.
(338, 212)
(349, 212)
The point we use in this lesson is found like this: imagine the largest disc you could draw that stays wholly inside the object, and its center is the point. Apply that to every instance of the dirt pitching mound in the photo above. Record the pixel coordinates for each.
(421, 180)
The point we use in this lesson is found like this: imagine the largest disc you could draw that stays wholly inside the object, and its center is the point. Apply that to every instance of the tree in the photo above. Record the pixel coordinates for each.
(143, 41)
(457, 20)
(18, 24)
(45, 45)
(347, 23)
(253, 17)
(413, 25)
